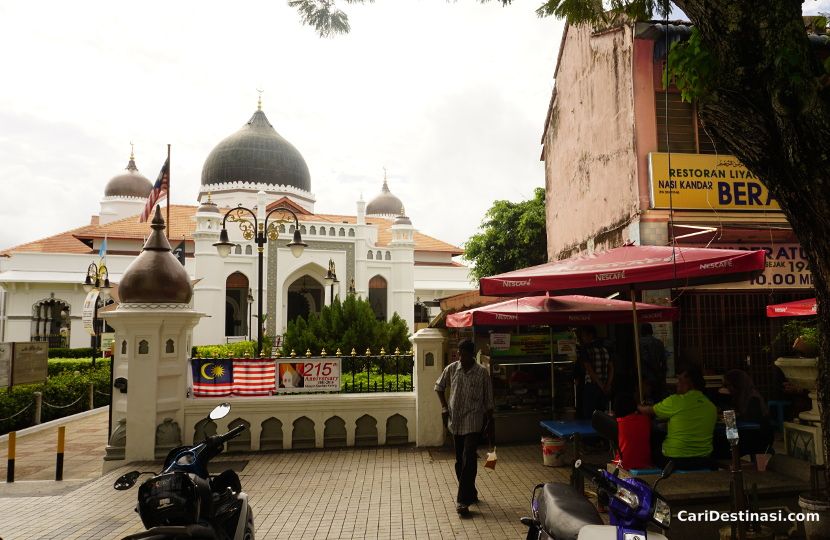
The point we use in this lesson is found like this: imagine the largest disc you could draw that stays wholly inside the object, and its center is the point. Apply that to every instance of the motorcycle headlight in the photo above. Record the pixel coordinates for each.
(662, 513)
(627, 497)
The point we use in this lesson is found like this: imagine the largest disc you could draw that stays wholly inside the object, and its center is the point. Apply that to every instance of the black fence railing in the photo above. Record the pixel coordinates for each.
(376, 373)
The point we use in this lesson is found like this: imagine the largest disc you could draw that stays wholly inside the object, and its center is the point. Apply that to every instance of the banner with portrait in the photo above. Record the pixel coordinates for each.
(309, 375)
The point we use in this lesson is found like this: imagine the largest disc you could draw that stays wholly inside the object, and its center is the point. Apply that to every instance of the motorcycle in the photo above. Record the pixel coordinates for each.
(560, 512)
(184, 501)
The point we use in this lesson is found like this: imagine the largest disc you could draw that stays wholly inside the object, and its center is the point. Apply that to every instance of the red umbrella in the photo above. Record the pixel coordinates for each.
(799, 308)
(632, 267)
(643, 267)
(544, 310)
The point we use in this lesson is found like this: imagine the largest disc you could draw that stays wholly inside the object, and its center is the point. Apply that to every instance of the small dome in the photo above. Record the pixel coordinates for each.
(156, 275)
(384, 204)
(208, 206)
(130, 183)
(256, 153)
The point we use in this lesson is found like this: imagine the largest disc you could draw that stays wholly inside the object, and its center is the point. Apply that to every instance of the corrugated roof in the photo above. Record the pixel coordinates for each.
(183, 226)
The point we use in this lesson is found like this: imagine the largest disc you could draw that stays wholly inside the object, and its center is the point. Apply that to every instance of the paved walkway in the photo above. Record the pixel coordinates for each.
(83, 452)
(378, 493)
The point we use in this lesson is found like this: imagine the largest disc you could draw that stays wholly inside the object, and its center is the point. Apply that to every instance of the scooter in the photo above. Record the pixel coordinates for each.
(560, 512)
(185, 502)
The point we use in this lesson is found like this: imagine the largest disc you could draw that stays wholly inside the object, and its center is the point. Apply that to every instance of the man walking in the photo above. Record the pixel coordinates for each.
(468, 414)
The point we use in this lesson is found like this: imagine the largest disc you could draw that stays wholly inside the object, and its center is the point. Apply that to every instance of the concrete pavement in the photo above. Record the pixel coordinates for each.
(355, 493)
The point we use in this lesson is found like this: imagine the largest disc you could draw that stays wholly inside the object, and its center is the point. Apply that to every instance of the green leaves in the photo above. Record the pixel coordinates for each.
(345, 325)
(691, 68)
(324, 16)
(512, 236)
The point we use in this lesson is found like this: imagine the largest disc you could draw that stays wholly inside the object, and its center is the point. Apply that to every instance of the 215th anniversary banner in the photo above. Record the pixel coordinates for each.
(706, 182)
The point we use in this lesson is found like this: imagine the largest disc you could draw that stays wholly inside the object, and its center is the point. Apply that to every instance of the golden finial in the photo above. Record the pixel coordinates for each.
(382, 352)
(384, 174)
(230, 355)
(209, 196)
(132, 151)
(259, 99)
(354, 352)
(397, 351)
(409, 352)
(308, 353)
(368, 351)
(338, 353)
(293, 354)
(323, 352)
(262, 353)
(247, 354)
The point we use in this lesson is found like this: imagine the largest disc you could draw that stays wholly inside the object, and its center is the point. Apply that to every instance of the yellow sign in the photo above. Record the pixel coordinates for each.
(706, 182)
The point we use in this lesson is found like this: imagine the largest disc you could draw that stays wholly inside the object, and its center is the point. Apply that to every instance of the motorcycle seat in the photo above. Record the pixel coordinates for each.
(563, 511)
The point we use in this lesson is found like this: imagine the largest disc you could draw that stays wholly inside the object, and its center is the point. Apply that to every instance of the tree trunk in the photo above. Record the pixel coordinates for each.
(770, 108)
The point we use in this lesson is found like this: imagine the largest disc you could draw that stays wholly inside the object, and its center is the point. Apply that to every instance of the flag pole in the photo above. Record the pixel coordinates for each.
(168, 192)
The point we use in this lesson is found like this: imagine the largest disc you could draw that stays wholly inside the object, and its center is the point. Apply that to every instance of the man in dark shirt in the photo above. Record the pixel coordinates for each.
(653, 358)
(599, 372)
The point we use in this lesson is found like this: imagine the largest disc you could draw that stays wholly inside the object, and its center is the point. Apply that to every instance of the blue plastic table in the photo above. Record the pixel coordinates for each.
(575, 430)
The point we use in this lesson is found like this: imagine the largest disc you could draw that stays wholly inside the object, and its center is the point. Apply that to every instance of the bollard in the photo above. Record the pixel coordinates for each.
(10, 466)
(59, 460)
(91, 396)
(38, 407)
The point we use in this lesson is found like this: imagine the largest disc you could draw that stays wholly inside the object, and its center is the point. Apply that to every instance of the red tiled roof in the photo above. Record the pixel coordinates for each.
(183, 226)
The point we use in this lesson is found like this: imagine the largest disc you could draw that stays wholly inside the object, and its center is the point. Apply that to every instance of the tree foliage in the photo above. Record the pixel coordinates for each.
(512, 236)
(345, 325)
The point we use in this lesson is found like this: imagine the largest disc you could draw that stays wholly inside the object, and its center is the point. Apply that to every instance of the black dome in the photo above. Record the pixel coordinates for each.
(130, 183)
(256, 153)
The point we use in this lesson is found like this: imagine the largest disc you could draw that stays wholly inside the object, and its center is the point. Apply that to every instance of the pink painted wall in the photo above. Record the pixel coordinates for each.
(645, 113)
(591, 163)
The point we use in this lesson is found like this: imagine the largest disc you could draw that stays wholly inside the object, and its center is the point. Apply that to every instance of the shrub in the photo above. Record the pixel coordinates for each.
(60, 389)
(346, 325)
(237, 350)
(81, 352)
(59, 365)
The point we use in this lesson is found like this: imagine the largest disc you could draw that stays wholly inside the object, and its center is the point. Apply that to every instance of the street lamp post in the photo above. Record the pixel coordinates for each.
(331, 279)
(261, 231)
(97, 280)
(250, 315)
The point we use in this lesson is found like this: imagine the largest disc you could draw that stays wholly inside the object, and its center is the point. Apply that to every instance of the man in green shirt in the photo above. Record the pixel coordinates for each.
(691, 418)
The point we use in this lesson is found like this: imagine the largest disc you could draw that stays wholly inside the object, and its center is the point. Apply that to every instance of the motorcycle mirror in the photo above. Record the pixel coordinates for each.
(126, 481)
(220, 411)
(667, 470)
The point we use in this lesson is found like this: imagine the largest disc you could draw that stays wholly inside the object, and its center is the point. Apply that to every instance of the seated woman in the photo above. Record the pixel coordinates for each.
(634, 434)
(691, 424)
(749, 406)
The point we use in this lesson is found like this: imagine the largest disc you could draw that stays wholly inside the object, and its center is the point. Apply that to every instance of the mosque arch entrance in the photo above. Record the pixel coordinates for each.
(236, 305)
(50, 322)
(305, 296)
(377, 296)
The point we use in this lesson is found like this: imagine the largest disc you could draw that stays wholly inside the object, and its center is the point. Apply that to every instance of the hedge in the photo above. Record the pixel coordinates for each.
(59, 365)
(60, 389)
(236, 350)
(81, 352)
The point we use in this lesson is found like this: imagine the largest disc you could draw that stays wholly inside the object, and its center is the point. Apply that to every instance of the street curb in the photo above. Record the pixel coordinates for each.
(53, 423)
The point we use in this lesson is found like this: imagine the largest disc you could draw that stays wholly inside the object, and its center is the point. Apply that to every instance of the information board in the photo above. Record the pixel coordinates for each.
(29, 362)
(312, 375)
(786, 268)
(525, 345)
(88, 313)
(5, 364)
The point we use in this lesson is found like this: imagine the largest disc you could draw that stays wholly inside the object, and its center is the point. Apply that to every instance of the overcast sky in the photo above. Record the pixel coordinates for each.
(449, 97)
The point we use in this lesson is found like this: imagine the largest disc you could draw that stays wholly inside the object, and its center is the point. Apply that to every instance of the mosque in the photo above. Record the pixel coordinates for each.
(376, 253)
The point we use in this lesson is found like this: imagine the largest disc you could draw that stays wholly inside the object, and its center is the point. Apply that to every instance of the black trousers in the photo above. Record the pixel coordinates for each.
(465, 467)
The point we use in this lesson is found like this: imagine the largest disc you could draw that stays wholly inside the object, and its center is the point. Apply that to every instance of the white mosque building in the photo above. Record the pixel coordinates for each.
(377, 253)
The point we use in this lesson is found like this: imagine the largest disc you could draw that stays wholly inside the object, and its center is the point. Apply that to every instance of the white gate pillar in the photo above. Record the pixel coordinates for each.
(429, 346)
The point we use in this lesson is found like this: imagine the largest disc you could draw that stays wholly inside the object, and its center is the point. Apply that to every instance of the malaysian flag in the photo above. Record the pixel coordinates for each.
(253, 376)
(160, 189)
(212, 377)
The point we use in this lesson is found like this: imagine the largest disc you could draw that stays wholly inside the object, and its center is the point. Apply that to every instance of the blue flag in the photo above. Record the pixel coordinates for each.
(212, 376)
(102, 252)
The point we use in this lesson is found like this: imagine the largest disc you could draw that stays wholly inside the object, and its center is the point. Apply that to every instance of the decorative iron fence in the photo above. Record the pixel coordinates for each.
(292, 374)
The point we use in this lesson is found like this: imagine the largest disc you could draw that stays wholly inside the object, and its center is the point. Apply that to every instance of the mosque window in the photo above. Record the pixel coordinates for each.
(388, 256)
(332, 232)
(351, 232)
(249, 250)
(302, 229)
(370, 255)
(169, 347)
(378, 296)
(237, 250)
(322, 231)
(282, 227)
(291, 229)
(380, 256)
(124, 346)
(143, 347)
(342, 231)
(313, 230)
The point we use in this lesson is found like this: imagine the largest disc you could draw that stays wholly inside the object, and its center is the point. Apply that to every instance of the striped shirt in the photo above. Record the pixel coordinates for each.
(471, 396)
